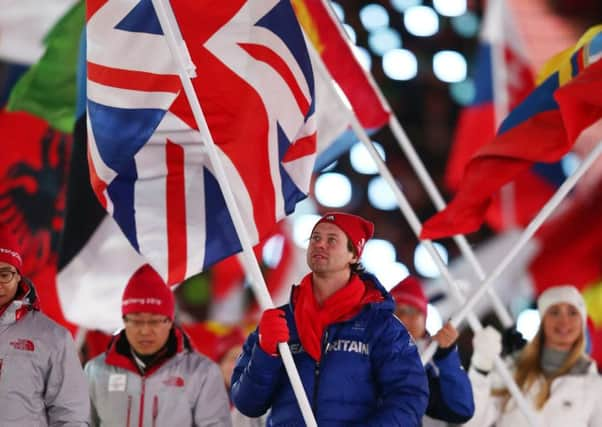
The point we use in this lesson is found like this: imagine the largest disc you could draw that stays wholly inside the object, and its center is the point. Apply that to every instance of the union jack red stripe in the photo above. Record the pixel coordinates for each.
(148, 163)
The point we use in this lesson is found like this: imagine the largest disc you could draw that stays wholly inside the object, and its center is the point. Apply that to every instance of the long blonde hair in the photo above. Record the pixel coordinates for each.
(528, 368)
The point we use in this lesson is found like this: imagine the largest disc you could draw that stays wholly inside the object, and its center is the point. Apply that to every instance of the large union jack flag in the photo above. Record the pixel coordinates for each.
(148, 162)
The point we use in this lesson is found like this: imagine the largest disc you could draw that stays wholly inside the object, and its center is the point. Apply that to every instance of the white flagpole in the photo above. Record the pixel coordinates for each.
(180, 52)
(495, 15)
(530, 230)
(440, 204)
(430, 188)
(416, 226)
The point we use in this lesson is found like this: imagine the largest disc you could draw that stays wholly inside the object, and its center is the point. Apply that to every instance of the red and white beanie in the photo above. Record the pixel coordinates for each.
(10, 252)
(146, 292)
(558, 294)
(409, 291)
(355, 227)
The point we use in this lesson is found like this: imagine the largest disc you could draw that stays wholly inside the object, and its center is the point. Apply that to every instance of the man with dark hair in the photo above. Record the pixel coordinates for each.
(41, 379)
(150, 376)
(356, 360)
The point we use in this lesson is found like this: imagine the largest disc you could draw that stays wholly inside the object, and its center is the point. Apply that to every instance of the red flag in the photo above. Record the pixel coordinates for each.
(32, 198)
(327, 37)
(571, 245)
(503, 78)
(147, 161)
(541, 129)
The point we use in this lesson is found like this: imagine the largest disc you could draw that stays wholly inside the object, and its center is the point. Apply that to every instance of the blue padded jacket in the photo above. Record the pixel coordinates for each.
(369, 374)
(450, 390)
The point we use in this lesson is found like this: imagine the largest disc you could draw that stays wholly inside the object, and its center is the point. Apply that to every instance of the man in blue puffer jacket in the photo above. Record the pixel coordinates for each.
(357, 362)
(450, 399)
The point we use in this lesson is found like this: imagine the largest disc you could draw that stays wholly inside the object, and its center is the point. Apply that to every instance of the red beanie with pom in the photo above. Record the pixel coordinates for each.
(355, 227)
(409, 291)
(146, 292)
(10, 252)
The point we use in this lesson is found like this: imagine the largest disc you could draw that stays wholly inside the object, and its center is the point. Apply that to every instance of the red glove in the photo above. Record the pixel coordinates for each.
(272, 330)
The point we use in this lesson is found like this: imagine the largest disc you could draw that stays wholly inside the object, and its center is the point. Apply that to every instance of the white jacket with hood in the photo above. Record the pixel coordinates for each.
(183, 389)
(575, 401)
(41, 379)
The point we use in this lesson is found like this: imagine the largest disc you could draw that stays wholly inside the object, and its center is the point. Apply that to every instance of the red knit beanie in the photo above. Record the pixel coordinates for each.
(355, 227)
(10, 252)
(409, 291)
(146, 292)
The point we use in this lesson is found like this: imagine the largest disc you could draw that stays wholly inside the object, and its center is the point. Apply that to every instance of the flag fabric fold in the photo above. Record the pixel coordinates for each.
(33, 172)
(503, 78)
(37, 142)
(542, 128)
(95, 259)
(571, 244)
(328, 40)
(24, 25)
(148, 164)
(47, 89)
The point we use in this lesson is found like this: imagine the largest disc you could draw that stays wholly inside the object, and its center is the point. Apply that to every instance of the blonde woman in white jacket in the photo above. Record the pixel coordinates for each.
(554, 373)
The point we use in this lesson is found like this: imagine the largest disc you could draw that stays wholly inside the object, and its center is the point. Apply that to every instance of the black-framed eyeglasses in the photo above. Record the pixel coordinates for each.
(7, 275)
(139, 323)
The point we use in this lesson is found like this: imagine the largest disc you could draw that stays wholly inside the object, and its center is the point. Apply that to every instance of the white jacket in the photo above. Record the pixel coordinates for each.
(185, 390)
(575, 401)
(41, 378)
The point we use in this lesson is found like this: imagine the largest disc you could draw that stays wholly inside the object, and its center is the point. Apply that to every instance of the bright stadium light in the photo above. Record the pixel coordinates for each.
(272, 250)
(449, 66)
(338, 10)
(421, 21)
(423, 262)
(450, 7)
(380, 194)
(361, 161)
(390, 275)
(466, 25)
(463, 92)
(374, 16)
(378, 252)
(527, 323)
(350, 33)
(302, 226)
(333, 190)
(383, 40)
(402, 5)
(400, 64)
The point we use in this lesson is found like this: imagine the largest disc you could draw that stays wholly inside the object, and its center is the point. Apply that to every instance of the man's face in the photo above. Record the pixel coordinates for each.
(328, 251)
(412, 318)
(147, 333)
(9, 282)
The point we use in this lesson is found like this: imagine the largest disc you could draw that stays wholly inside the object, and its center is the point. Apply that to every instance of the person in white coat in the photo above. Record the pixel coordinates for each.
(41, 378)
(558, 379)
(150, 376)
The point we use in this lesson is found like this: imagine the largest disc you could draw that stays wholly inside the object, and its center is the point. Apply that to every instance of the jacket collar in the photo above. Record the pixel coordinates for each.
(26, 300)
(119, 352)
